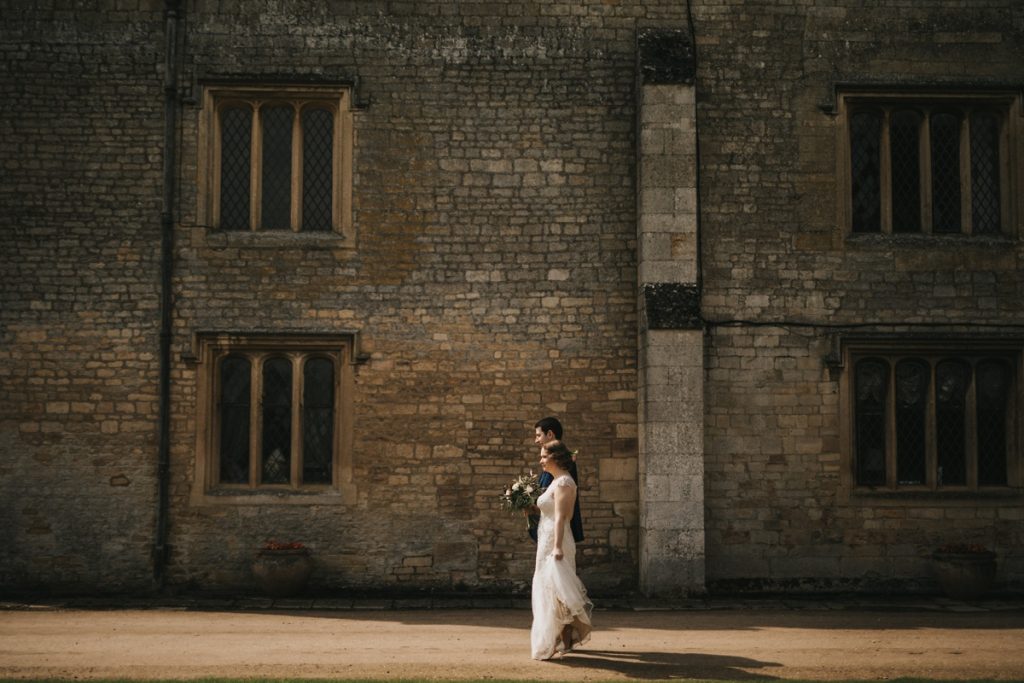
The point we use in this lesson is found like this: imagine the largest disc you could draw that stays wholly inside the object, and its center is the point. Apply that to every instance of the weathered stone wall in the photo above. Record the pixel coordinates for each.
(493, 282)
(775, 256)
(80, 139)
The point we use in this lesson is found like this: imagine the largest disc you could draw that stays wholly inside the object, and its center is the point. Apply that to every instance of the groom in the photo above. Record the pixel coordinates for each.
(546, 430)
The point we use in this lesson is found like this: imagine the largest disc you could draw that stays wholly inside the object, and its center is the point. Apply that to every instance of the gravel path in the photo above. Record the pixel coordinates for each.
(485, 643)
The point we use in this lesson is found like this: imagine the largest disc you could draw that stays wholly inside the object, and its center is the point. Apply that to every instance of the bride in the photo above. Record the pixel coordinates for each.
(561, 609)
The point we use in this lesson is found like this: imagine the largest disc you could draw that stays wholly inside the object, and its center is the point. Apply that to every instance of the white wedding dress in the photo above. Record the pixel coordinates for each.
(558, 597)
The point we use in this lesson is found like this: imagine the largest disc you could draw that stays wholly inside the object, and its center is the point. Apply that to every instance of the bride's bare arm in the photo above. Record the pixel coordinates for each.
(563, 512)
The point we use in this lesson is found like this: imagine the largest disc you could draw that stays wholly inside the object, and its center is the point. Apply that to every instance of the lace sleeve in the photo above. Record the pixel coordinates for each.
(564, 481)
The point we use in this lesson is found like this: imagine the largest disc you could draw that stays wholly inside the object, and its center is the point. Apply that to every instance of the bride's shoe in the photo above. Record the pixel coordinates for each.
(557, 652)
(566, 638)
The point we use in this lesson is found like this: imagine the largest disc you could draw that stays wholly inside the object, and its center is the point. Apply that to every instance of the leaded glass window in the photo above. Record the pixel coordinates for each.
(277, 167)
(235, 397)
(952, 378)
(993, 399)
(986, 204)
(912, 382)
(318, 420)
(280, 159)
(905, 153)
(920, 165)
(317, 170)
(277, 419)
(871, 389)
(865, 174)
(950, 418)
(945, 154)
(235, 162)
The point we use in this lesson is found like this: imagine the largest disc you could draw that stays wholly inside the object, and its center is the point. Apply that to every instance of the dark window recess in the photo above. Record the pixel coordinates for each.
(318, 421)
(911, 398)
(235, 391)
(950, 418)
(919, 167)
(952, 379)
(871, 389)
(945, 153)
(985, 194)
(906, 171)
(235, 164)
(993, 401)
(277, 421)
(276, 202)
(317, 169)
(865, 175)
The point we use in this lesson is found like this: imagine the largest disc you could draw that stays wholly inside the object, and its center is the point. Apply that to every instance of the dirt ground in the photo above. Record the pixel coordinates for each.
(482, 643)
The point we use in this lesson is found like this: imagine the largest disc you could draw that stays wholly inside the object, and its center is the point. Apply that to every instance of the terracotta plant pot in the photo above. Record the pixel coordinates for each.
(965, 575)
(282, 573)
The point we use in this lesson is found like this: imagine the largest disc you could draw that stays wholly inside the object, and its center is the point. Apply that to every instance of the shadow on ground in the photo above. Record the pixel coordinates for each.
(667, 665)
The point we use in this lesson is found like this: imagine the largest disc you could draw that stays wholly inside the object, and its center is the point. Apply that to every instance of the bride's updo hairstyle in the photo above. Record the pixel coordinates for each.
(560, 453)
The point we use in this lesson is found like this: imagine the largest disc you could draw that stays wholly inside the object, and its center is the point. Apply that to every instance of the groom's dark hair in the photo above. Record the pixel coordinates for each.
(550, 424)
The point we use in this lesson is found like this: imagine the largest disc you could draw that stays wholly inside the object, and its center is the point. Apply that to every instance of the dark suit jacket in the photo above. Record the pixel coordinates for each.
(576, 523)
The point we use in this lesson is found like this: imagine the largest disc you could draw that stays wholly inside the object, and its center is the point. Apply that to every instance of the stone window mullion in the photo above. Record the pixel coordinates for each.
(296, 212)
(890, 428)
(926, 173)
(338, 415)
(341, 192)
(295, 476)
(215, 162)
(966, 214)
(972, 427)
(885, 172)
(1005, 154)
(256, 174)
(256, 421)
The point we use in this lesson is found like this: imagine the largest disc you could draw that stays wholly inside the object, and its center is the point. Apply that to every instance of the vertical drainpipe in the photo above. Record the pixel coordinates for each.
(172, 11)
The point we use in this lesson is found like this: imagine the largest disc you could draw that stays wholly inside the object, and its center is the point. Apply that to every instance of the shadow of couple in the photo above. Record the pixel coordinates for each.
(668, 665)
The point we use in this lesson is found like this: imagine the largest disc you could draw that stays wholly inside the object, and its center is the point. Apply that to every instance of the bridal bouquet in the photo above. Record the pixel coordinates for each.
(522, 493)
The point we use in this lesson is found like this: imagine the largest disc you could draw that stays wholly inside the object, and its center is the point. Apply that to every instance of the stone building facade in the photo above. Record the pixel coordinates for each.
(311, 271)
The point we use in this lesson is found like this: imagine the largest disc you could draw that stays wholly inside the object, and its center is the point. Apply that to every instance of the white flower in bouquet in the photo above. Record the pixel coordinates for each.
(521, 494)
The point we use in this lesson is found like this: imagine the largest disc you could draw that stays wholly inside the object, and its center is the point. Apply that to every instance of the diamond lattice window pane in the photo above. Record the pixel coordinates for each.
(905, 154)
(945, 149)
(276, 191)
(865, 173)
(951, 381)
(986, 214)
(994, 381)
(235, 157)
(318, 421)
(317, 169)
(872, 381)
(277, 421)
(912, 381)
(235, 398)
